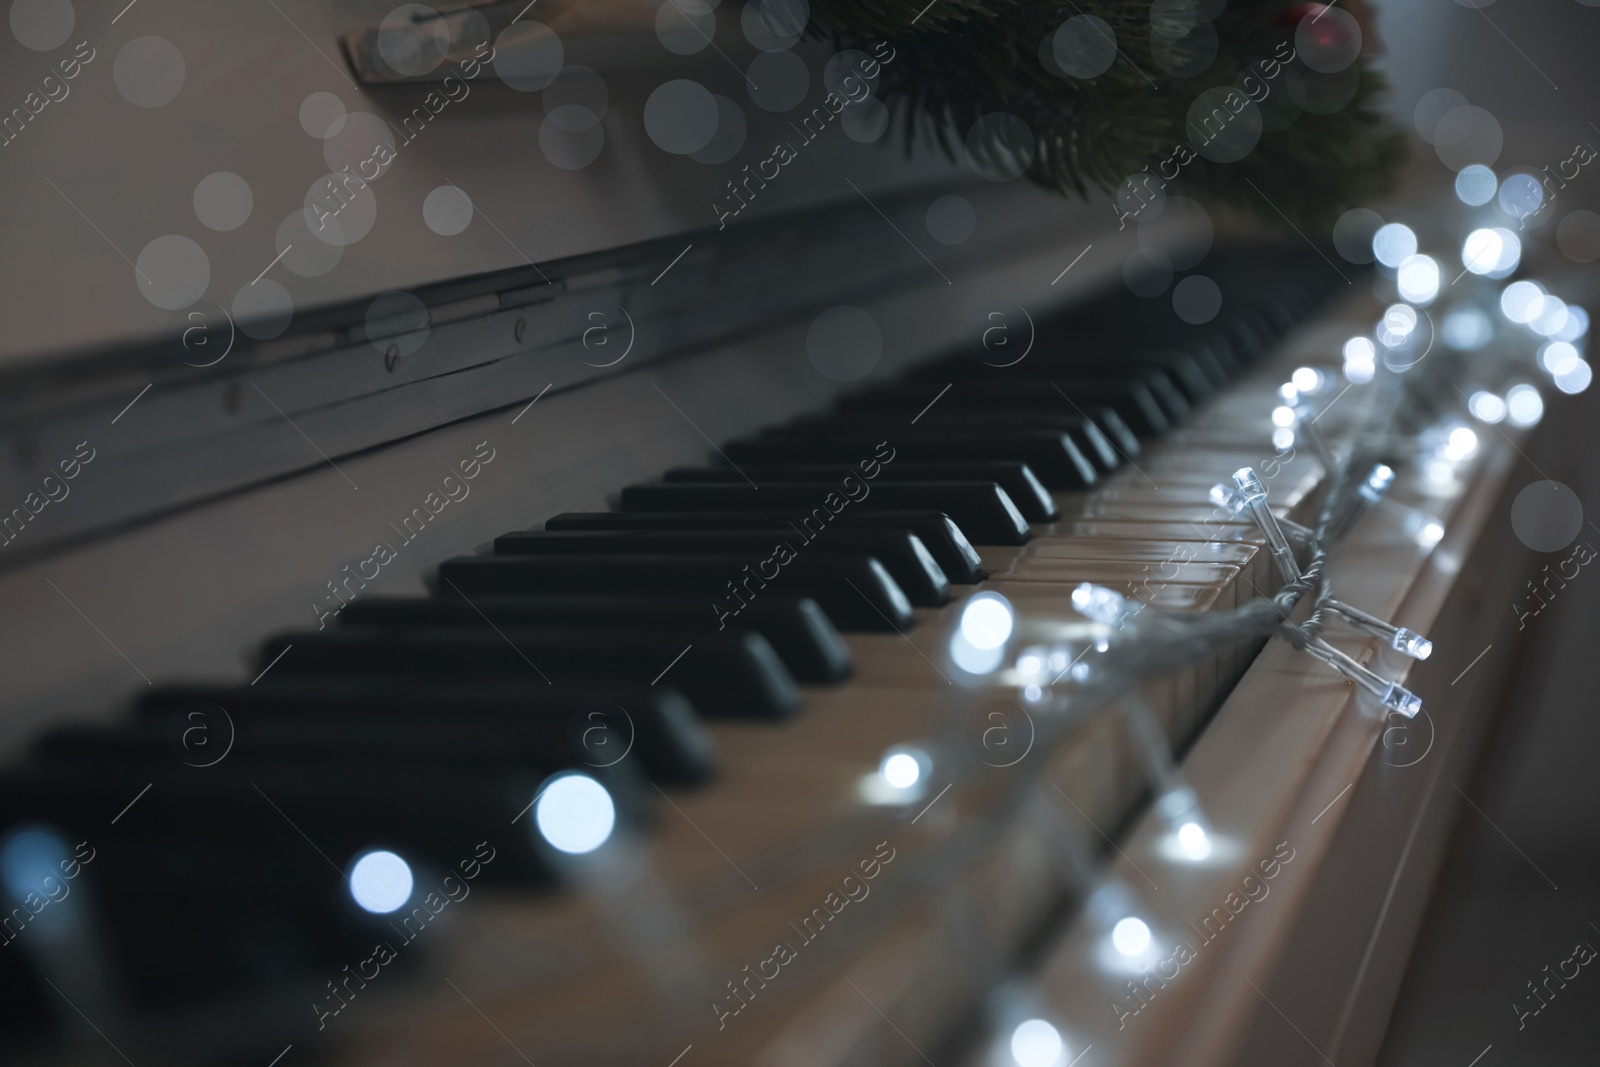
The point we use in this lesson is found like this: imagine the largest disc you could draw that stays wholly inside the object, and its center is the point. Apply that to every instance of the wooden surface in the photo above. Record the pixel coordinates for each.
(1295, 756)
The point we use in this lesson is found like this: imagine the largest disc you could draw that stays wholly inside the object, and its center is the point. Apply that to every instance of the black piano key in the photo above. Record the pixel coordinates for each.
(1250, 340)
(1122, 437)
(725, 675)
(188, 923)
(175, 922)
(468, 743)
(83, 777)
(1139, 407)
(1192, 363)
(799, 631)
(1090, 437)
(866, 423)
(482, 741)
(1090, 431)
(854, 589)
(903, 555)
(938, 531)
(1190, 374)
(982, 509)
(243, 866)
(1079, 339)
(1133, 400)
(1220, 349)
(1215, 360)
(1019, 482)
(1098, 431)
(471, 720)
(1202, 357)
(1174, 378)
(1162, 387)
(1054, 458)
(26, 1017)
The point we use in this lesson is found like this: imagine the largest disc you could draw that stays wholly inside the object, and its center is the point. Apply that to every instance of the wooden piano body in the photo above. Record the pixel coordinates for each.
(228, 502)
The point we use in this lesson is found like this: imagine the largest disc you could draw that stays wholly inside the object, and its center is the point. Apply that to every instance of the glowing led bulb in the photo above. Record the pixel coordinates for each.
(1430, 534)
(1377, 483)
(1193, 841)
(1307, 379)
(1521, 195)
(1105, 606)
(900, 770)
(1409, 642)
(1575, 325)
(1524, 405)
(1466, 329)
(1522, 301)
(1282, 439)
(986, 621)
(1397, 698)
(1037, 660)
(29, 858)
(381, 882)
(972, 659)
(1412, 643)
(1476, 185)
(1393, 696)
(1558, 357)
(1360, 360)
(1418, 279)
(1289, 392)
(1574, 378)
(1249, 485)
(1487, 407)
(1393, 243)
(1494, 252)
(1551, 318)
(1227, 499)
(1359, 349)
(1359, 372)
(1461, 443)
(1131, 936)
(1399, 321)
(575, 814)
(1255, 498)
(1481, 251)
(1510, 253)
(1035, 1043)
(1283, 415)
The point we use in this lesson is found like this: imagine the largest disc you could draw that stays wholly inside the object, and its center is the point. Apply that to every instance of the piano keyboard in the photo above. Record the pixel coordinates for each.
(660, 739)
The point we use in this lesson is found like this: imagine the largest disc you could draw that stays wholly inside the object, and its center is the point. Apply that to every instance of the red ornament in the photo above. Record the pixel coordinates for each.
(1336, 39)
(1291, 14)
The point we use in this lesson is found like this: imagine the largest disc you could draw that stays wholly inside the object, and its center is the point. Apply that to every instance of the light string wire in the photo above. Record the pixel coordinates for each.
(1162, 644)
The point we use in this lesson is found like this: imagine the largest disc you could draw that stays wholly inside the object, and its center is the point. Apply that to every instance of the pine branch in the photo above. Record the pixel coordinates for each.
(964, 59)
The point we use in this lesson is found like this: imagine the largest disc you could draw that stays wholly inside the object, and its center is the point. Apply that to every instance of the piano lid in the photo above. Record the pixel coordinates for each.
(200, 142)
(158, 154)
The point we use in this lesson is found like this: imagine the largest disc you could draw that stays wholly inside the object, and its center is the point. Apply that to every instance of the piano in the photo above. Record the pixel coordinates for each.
(895, 615)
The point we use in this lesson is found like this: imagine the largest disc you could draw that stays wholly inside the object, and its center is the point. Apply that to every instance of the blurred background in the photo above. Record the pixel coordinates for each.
(1495, 921)
(87, 198)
